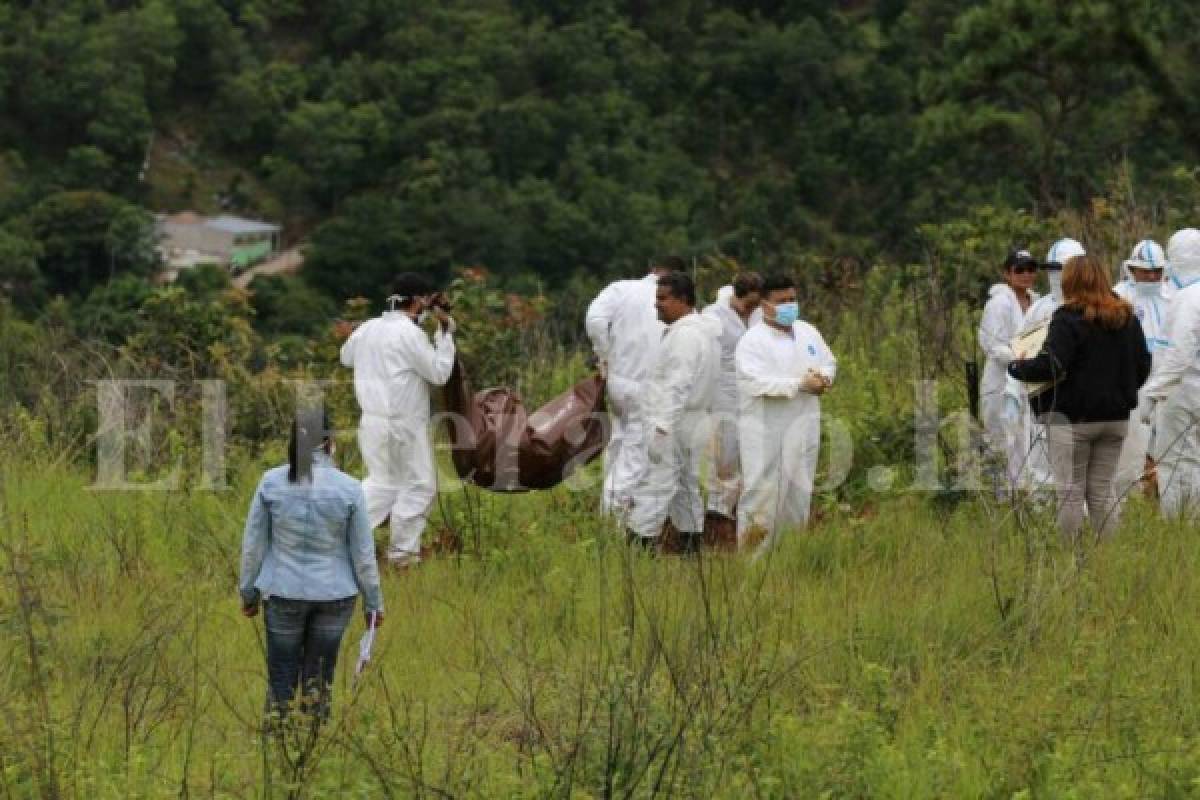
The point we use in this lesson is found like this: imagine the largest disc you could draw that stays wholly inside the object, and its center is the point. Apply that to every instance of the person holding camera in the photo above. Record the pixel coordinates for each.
(395, 364)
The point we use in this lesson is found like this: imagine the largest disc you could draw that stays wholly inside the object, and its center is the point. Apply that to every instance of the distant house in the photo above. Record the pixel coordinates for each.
(187, 239)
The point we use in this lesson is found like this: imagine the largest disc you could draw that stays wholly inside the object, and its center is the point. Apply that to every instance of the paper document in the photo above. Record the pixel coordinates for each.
(364, 646)
(1028, 344)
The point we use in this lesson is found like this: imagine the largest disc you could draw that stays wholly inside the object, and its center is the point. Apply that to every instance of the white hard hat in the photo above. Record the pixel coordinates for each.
(1183, 254)
(1147, 254)
(1063, 251)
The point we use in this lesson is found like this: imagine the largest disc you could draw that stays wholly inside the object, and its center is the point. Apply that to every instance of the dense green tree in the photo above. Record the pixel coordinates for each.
(550, 137)
(112, 311)
(286, 304)
(204, 281)
(87, 238)
(21, 282)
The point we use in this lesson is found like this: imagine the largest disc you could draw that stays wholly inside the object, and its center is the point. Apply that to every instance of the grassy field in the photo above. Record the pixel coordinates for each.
(906, 653)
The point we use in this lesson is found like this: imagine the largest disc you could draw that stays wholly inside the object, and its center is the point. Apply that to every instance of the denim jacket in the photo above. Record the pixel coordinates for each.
(309, 541)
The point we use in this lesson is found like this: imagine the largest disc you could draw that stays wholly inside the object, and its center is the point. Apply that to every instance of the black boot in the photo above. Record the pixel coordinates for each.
(691, 543)
(648, 543)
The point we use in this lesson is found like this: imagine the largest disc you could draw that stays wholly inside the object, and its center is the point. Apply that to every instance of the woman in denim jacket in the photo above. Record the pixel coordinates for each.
(309, 551)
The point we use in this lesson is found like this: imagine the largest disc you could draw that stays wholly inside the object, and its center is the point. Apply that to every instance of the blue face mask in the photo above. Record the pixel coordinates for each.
(786, 314)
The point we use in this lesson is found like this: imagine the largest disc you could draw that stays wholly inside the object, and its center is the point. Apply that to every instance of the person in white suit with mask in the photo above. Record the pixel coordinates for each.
(625, 330)
(783, 368)
(1172, 395)
(1143, 289)
(395, 365)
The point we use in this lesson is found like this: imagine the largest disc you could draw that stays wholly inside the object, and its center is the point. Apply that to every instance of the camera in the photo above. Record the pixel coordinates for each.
(441, 301)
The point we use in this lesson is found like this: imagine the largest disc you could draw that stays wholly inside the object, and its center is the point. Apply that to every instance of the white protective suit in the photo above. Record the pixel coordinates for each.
(625, 330)
(1008, 434)
(1173, 390)
(725, 474)
(779, 427)
(677, 399)
(394, 365)
(1150, 305)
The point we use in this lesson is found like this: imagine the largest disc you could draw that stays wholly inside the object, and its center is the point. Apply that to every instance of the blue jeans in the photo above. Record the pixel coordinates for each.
(303, 638)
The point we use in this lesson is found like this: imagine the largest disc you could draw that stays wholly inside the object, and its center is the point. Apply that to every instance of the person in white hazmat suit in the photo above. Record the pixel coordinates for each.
(1143, 289)
(625, 330)
(783, 367)
(394, 367)
(737, 311)
(677, 400)
(1008, 436)
(1036, 473)
(1171, 398)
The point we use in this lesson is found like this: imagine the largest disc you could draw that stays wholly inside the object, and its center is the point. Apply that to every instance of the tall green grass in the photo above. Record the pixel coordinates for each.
(906, 654)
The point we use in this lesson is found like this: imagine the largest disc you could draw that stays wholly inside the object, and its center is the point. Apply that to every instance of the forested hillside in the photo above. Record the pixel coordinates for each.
(549, 138)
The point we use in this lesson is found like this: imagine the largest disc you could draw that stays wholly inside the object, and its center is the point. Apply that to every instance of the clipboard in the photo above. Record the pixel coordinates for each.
(1028, 344)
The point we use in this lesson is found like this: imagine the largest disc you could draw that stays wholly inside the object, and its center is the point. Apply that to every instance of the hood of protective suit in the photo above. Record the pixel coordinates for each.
(1146, 254)
(1060, 253)
(1183, 256)
(1063, 251)
(724, 294)
(1004, 288)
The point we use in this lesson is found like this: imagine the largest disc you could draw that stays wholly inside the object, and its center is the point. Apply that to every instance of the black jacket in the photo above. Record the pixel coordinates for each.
(1098, 370)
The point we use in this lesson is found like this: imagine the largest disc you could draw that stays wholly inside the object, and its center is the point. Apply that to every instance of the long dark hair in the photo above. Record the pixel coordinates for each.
(310, 428)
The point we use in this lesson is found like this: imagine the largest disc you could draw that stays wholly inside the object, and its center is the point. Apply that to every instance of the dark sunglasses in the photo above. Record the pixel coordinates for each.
(1025, 269)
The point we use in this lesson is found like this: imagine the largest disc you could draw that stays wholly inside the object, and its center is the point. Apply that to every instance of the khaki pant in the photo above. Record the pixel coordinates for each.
(1084, 459)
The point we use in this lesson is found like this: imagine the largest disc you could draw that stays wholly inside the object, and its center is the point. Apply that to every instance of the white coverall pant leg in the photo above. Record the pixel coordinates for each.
(625, 456)
(671, 485)
(780, 443)
(1010, 441)
(401, 479)
(1177, 446)
(724, 479)
(1037, 472)
(1132, 465)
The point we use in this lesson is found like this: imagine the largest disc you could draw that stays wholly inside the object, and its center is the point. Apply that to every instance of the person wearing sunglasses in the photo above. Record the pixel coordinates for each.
(1003, 317)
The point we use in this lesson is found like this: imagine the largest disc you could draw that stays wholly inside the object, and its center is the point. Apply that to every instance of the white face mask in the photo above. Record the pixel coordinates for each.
(1148, 288)
(1055, 278)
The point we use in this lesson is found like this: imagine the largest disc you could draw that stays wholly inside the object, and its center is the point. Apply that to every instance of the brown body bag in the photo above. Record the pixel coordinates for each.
(498, 445)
